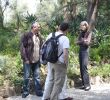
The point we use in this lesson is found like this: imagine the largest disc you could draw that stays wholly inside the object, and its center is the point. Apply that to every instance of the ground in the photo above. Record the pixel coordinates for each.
(97, 92)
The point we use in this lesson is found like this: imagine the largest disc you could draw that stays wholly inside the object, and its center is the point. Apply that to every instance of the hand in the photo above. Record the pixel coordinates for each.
(27, 62)
(66, 63)
(85, 40)
(33, 61)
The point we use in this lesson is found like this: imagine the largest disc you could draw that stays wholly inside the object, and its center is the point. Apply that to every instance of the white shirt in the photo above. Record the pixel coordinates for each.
(63, 43)
(36, 48)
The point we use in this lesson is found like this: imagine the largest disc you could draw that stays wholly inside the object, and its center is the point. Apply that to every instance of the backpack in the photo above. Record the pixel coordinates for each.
(49, 50)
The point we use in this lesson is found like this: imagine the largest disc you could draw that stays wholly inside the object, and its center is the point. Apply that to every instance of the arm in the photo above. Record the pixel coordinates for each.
(65, 51)
(66, 46)
(23, 50)
(80, 40)
(87, 39)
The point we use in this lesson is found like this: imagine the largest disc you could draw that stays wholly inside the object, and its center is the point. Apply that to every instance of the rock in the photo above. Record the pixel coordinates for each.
(96, 80)
(1, 98)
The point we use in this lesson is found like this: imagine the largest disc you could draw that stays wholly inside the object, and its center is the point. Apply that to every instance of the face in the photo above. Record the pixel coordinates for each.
(36, 27)
(83, 27)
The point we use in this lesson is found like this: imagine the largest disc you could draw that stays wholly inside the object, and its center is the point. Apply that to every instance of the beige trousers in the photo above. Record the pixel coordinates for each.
(56, 79)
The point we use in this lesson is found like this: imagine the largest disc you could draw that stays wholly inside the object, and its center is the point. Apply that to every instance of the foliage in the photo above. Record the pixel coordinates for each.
(55, 21)
(73, 72)
(11, 68)
(94, 55)
(102, 70)
(50, 15)
(9, 45)
(29, 19)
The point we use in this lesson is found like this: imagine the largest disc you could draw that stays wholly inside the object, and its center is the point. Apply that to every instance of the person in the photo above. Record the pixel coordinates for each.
(30, 47)
(63, 95)
(57, 71)
(84, 40)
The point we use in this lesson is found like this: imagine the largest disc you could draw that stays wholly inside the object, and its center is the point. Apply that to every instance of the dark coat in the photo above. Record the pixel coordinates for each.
(27, 46)
(84, 45)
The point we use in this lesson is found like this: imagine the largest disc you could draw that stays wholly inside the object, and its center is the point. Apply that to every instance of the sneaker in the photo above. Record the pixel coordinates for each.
(24, 95)
(40, 94)
(87, 88)
(68, 98)
(82, 87)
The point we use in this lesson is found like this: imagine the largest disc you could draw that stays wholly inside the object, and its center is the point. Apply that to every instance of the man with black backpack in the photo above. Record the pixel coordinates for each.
(58, 68)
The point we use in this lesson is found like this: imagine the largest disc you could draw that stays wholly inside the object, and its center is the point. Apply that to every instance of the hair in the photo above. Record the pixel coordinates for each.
(85, 23)
(34, 23)
(64, 26)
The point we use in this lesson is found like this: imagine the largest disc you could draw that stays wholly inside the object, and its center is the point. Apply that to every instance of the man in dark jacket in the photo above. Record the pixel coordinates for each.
(30, 47)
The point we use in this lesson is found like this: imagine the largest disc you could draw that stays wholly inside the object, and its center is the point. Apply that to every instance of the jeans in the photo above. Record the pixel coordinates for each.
(27, 68)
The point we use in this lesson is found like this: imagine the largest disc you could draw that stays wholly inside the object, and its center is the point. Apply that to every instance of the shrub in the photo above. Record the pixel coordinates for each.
(94, 55)
(104, 50)
(12, 67)
(102, 70)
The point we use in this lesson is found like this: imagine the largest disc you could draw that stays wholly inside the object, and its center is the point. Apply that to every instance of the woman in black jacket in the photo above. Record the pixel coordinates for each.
(83, 42)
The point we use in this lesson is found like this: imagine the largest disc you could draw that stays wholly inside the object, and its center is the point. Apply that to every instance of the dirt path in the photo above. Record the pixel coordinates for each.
(98, 92)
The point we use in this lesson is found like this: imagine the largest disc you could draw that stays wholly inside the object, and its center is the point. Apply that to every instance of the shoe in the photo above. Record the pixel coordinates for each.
(82, 87)
(68, 98)
(24, 95)
(40, 94)
(87, 88)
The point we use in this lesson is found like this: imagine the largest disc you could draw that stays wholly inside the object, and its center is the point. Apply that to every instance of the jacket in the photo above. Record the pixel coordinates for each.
(27, 46)
(84, 40)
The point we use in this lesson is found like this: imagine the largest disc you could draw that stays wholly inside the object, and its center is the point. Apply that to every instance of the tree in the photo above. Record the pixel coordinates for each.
(2, 10)
(92, 13)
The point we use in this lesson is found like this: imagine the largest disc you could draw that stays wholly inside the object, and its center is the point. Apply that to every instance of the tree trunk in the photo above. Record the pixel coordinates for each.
(92, 13)
(108, 10)
(1, 16)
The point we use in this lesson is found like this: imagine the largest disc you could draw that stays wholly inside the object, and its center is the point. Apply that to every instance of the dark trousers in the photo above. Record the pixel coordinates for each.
(83, 60)
(36, 77)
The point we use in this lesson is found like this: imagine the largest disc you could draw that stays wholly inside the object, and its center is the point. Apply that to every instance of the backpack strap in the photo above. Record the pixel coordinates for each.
(57, 38)
(53, 35)
(60, 54)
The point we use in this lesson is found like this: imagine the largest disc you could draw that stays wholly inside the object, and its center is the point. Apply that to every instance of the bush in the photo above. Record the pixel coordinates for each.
(12, 67)
(73, 72)
(12, 47)
(104, 50)
(94, 55)
(102, 70)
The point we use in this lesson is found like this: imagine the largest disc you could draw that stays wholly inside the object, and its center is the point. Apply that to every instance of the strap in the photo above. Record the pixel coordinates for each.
(53, 35)
(60, 54)
(59, 36)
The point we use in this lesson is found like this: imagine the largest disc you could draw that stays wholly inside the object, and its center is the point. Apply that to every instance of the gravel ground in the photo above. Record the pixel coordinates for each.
(97, 92)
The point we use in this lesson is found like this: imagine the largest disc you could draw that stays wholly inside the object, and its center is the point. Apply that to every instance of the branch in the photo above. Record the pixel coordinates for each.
(7, 3)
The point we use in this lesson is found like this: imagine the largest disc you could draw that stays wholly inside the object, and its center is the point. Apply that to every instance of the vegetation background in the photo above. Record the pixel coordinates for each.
(50, 13)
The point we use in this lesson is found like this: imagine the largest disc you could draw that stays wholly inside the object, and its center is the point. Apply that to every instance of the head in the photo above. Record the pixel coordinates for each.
(35, 27)
(84, 26)
(64, 27)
